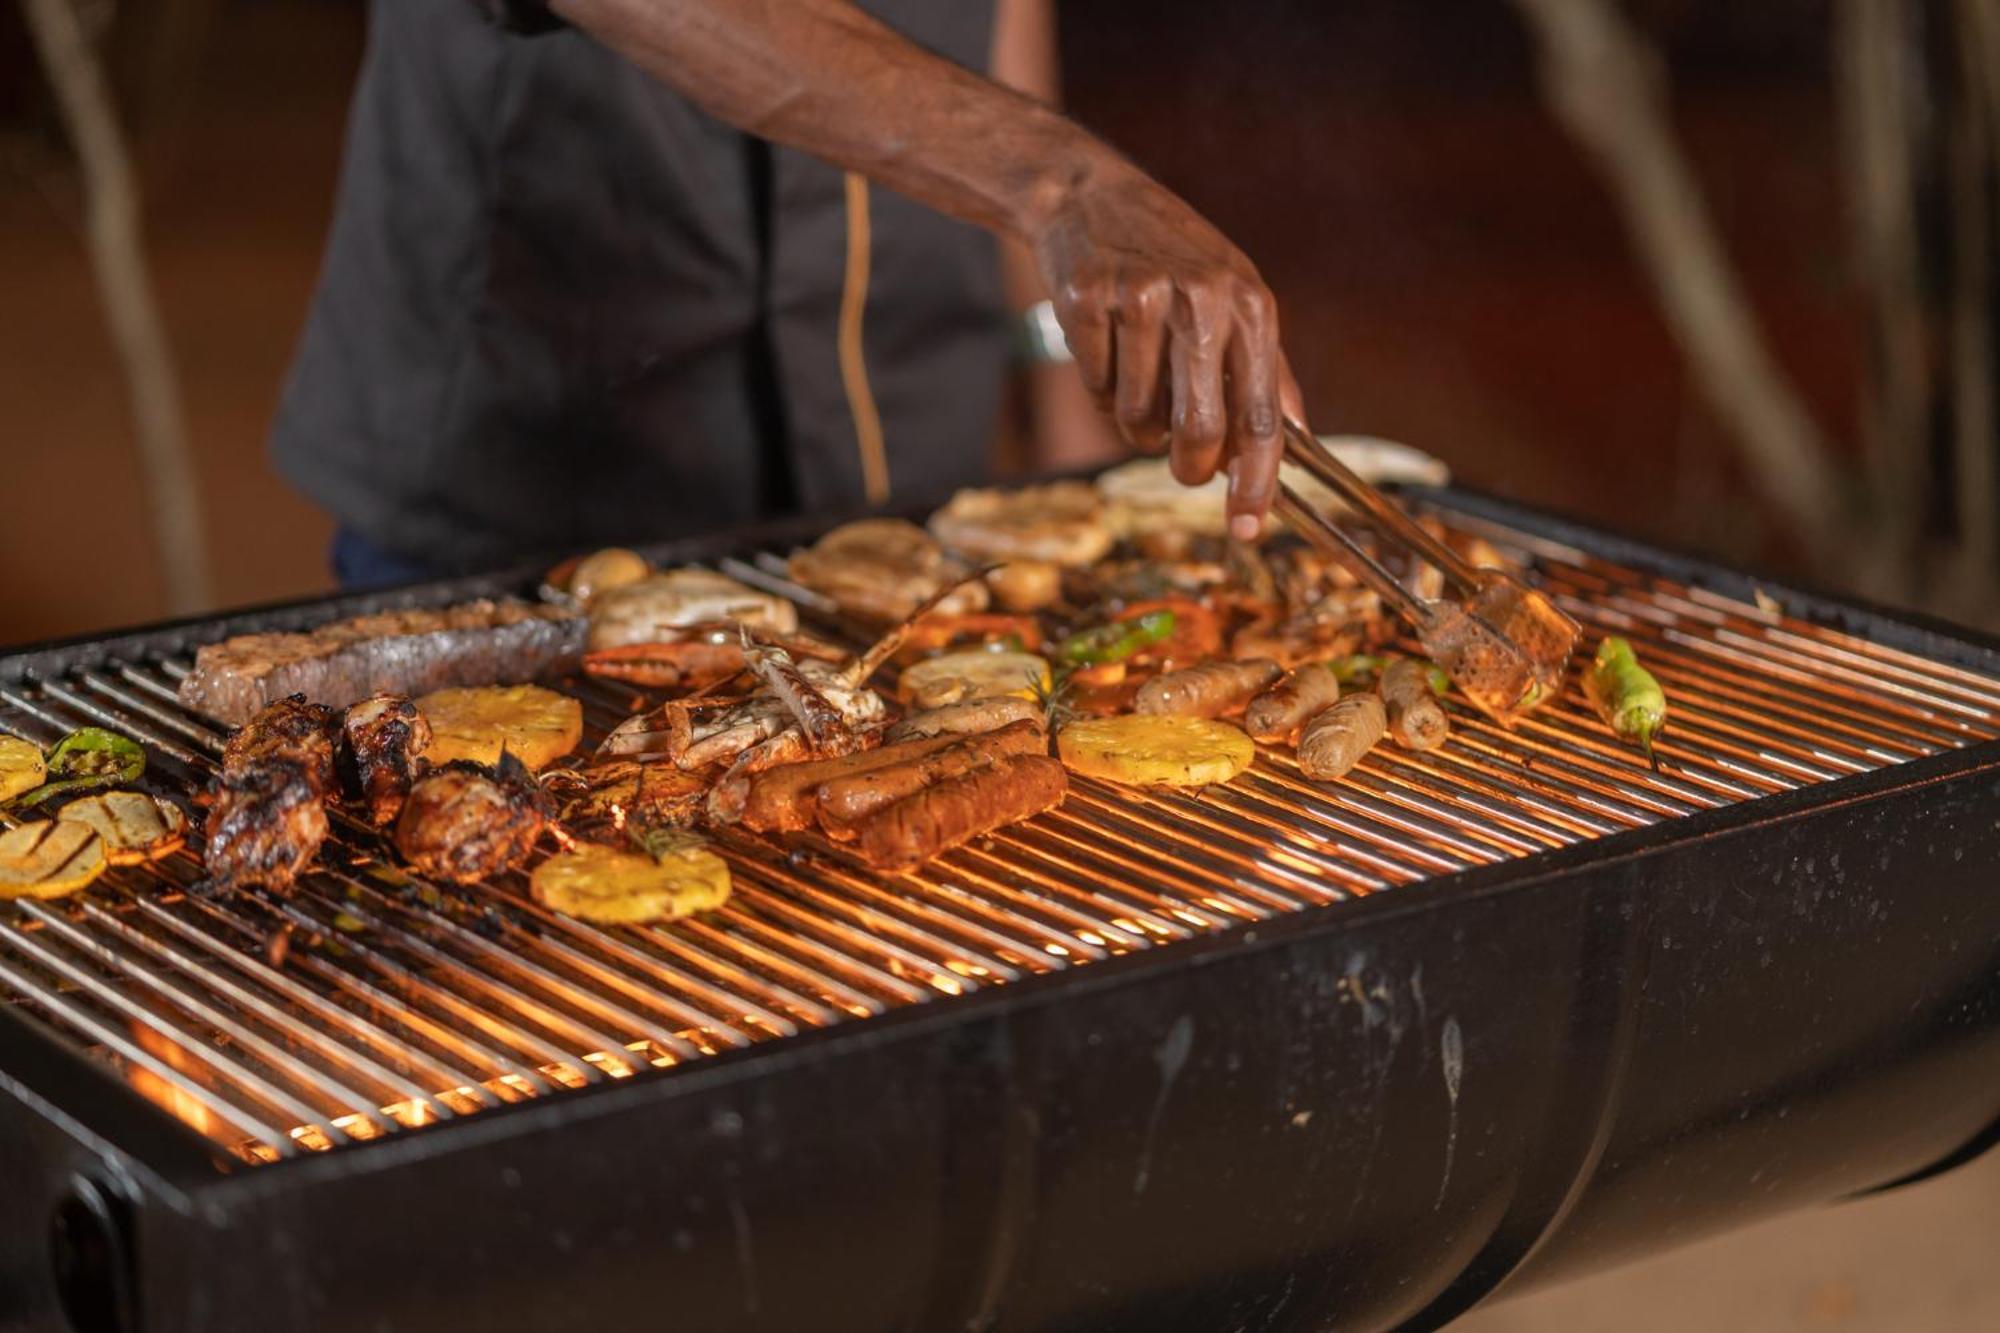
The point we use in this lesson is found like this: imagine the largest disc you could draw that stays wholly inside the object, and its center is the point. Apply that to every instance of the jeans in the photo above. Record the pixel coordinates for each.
(359, 563)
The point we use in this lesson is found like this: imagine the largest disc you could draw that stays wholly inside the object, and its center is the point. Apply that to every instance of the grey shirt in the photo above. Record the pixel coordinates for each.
(561, 307)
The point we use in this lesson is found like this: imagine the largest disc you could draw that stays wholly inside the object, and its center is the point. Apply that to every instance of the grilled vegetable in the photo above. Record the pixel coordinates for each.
(1146, 751)
(1278, 713)
(1334, 742)
(936, 632)
(1625, 695)
(1197, 633)
(48, 858)
(976, 674)
(84, 760)
(1357, 668)
(1116, 641)
(1363, 668)
(535, 725)
(1416, 720)
(135, 827)
(621, 886)
(21, 767)
(1206, 689)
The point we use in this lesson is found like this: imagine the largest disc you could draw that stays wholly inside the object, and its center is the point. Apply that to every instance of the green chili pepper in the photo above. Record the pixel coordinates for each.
(1625, 695)
(1356, 667)
(1117, 641)
(87, 758)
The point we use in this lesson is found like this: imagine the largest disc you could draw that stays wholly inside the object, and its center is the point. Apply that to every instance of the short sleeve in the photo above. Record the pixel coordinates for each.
(524, 16)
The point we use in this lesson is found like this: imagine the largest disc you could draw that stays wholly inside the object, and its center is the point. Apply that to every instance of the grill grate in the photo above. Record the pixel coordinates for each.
(369, 1003)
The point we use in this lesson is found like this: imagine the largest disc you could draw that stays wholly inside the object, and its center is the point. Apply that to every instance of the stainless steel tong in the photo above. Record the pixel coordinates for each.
(1501, 642)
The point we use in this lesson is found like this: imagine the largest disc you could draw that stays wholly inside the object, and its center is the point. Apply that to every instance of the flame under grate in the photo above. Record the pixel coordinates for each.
(369, 1003)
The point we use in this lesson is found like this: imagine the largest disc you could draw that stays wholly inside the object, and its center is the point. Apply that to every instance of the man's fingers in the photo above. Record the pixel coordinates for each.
(1200, 414)
(1138, 405)
(1084, 311)
(1257, 377)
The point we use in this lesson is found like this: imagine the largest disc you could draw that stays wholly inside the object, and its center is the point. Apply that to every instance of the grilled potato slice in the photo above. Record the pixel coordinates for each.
(135, 827)
(535, 725)
(618, 887)
(973, 674)
(1149, 750)
(21, 767)
(47, 858)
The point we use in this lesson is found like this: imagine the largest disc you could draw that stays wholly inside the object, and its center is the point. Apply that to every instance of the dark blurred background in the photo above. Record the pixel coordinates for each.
(1456, 268)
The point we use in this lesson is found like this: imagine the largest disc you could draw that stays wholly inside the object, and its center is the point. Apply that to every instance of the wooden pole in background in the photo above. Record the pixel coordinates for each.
(118, 261)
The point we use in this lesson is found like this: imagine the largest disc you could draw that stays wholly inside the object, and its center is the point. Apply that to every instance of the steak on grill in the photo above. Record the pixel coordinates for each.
(393, 652)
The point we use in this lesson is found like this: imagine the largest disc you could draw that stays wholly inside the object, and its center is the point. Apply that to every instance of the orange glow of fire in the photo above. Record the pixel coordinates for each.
(177, 1101)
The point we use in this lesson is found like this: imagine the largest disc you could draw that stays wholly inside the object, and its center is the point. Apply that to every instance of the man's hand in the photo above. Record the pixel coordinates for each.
(1174, 333)
(1174, 330)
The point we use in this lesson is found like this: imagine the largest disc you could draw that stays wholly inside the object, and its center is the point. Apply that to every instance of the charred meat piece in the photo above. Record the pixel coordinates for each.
(602, 803)
(466, 822)
(1206, 690)
(844, 801)
(265, 824)
(290, 732)
(380, 753)
(940, 817)
(400, 652)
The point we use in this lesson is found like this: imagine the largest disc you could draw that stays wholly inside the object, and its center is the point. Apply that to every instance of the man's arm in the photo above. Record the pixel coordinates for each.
(1066, 428)
(1170, 323)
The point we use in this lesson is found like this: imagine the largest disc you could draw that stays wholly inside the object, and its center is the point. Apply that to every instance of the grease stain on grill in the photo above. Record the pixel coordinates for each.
(1171, 1056)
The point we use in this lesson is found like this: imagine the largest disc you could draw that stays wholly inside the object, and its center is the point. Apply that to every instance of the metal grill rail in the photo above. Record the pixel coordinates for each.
(369, 1002)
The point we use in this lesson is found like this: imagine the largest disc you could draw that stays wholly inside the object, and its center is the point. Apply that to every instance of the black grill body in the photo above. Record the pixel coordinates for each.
(1369, 1115)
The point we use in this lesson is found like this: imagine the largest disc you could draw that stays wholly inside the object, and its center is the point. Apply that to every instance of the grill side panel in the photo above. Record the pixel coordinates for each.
(1282, 1132)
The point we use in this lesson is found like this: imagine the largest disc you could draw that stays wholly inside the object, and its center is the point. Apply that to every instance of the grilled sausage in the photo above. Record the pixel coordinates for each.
(845, 800)
(1416, 719)
(785, 799)
(1278, 713)
(1334, 742)
(968, 718)
(1208, 689)
(940, 817)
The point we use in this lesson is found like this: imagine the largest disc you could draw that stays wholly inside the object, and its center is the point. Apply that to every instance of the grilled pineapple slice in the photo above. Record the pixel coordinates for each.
(535, 725)
(21, 767)
(1148, 750)
(973, 674)
(619, 887)
(48, 858)
(135, 827)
